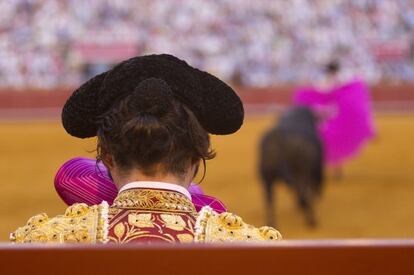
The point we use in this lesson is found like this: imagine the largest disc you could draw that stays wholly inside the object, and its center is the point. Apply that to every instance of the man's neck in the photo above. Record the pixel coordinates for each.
(168, 178)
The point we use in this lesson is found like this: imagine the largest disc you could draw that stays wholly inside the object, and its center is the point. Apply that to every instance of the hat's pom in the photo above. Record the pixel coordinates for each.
(152, 96)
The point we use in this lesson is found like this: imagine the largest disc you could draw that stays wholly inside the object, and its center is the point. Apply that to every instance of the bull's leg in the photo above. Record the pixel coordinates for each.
(306, 204)
(269, 206)
(310, 216)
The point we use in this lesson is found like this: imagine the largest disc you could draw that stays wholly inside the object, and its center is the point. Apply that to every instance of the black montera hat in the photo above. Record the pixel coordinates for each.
(216, 106)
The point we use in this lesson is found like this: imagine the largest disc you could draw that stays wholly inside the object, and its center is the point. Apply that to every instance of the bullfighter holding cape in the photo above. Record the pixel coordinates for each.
(346, 122)
(152, 116)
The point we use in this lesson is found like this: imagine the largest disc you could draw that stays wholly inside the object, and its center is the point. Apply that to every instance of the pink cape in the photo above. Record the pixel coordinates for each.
(81, 180)
(348, 121)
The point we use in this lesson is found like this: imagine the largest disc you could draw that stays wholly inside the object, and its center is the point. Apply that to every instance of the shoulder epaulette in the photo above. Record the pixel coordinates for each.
(225, 227)
(80, 224)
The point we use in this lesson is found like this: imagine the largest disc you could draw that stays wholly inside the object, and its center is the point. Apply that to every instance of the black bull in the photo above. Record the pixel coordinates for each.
(292, 152)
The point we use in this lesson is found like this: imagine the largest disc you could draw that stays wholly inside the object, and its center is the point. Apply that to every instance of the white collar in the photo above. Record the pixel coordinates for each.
(156, 185)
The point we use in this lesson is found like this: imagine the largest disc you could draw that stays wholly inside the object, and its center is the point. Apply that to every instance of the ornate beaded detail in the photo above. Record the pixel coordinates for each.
(80, 224)
(154, 199)
(227, 227)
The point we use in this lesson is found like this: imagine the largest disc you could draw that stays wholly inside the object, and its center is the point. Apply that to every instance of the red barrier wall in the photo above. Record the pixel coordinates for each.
(10, 99)
(286, 258)
(281, 95)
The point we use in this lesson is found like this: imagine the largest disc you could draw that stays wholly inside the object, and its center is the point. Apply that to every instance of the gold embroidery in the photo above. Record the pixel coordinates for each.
(37, 220)
(77, 210)
(119, 230)
(137, 226)
(269, 233)
(149, 214)
(225, 227)
(141, 220)
(78, 236)
(80, 224)
(149, 199)
(163, 211)
(174, 222)
(125, 232)
(185, 238)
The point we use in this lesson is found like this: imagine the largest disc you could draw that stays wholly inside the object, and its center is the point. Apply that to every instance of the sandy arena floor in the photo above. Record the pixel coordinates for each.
(374, 199)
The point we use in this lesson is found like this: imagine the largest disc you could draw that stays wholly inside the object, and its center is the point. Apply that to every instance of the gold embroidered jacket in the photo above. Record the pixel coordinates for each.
(141, 215)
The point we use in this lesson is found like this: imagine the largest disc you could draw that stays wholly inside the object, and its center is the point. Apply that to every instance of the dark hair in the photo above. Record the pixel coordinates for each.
(152, 130)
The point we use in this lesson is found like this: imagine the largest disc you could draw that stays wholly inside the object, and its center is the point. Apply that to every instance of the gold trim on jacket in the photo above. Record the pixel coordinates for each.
(80, 224)
(90, 224)
(227, 227)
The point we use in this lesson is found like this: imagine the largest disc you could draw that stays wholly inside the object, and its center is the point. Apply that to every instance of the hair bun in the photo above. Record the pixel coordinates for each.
(153, 96)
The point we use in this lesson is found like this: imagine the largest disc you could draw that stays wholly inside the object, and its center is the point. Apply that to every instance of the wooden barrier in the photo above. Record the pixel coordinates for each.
(47, 104)
(55, 98)
(287, 257)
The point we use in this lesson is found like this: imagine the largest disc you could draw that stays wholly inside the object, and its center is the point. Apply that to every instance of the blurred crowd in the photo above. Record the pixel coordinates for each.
(254, 43)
